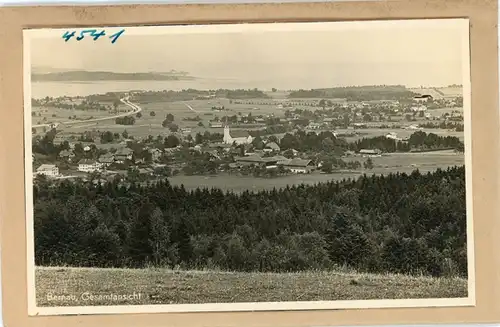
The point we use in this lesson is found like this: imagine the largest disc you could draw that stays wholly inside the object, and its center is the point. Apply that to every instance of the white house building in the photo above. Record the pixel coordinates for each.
(313, 126)
(88, 166)
(423, 98)
(300, 166)
(240, 137)
(48, 170)
(370, 153)
(215, 124)
(392, 136)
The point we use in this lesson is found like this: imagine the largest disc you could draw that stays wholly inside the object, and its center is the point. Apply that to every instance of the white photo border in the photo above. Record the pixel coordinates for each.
(458, 23)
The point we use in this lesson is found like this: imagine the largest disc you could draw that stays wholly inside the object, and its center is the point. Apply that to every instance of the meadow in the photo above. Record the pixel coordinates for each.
(390, 163)
(440, 93)
(167, 286)
(58, 115)
(151, 124)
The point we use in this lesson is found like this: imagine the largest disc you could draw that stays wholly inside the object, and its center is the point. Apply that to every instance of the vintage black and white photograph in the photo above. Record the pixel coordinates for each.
(235, 167)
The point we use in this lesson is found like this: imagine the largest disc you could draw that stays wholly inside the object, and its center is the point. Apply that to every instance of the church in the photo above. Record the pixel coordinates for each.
(240, 137)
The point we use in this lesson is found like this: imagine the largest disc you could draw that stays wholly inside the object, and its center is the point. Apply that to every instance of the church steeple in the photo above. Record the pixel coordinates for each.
(227, 136)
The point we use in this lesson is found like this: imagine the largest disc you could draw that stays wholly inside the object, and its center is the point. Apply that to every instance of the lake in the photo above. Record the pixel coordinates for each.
(57, 89)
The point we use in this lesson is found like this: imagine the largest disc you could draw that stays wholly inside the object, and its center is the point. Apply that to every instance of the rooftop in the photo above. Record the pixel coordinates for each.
(124, 152)
(46, 167)
(239, 133)
(297, 162)
(369, 151)
(86, 162)
(255, 158)
(272, 145)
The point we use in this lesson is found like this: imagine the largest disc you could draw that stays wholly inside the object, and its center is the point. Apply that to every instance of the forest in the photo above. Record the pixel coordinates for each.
(358, 93)
(402, 223)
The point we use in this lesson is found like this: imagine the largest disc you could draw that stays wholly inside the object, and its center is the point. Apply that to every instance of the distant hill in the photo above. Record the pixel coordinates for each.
(91, 76)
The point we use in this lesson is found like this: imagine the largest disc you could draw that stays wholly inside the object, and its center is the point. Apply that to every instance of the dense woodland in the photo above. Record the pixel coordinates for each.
(326, 141)
(358, 93)
(413, 224)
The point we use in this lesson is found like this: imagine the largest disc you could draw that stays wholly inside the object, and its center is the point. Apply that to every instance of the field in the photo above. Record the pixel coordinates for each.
(48, 115)
(162, 286)
(440, 93)
(57, 115)
(152, 125)
(149, 124)
(397, 162)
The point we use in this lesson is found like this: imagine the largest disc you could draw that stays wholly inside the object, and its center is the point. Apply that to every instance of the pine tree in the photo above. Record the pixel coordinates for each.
(159, 237)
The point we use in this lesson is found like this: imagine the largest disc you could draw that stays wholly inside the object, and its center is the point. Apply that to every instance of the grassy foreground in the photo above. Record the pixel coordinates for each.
(93, 286)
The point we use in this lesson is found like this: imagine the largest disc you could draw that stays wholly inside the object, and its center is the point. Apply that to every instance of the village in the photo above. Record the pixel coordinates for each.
(233, 153)
(311, 137)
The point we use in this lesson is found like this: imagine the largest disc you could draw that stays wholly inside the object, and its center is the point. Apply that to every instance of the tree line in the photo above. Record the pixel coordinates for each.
(417, 141)
(402, 223)
(357, 93)
(326, 141)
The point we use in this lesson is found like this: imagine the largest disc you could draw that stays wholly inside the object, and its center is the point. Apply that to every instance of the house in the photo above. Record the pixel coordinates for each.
(238, 137)
(106, 159)
(215, 125)
(155, 154)
(370, 152)
(88, 165)
(300, 166)
(423, 98)
(392, 136)
(66, 155)
(48, 170)
(123, 155)
(146, 171)
(272, 147)
(313, 126)
(413, 127)
(257, 160)
(281, 160)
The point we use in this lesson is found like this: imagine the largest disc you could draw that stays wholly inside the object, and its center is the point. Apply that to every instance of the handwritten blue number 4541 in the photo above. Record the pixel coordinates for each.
(92, 33)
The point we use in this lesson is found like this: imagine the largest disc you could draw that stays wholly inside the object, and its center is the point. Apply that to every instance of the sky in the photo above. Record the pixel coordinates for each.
(329, 54)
